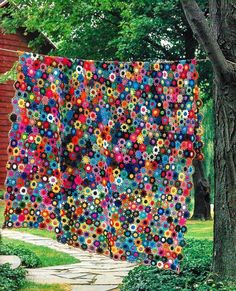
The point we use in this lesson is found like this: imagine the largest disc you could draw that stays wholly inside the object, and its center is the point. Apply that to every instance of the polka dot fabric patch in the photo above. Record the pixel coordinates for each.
(101, 153)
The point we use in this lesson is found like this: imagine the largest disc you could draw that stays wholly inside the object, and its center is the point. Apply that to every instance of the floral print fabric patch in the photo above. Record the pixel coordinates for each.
(101, 153)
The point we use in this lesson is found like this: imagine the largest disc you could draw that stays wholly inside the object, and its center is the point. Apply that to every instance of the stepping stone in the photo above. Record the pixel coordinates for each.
(14, 261)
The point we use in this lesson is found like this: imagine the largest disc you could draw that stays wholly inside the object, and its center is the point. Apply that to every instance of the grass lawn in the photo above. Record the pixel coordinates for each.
(47, 256)
(200, 229)
(31, 286)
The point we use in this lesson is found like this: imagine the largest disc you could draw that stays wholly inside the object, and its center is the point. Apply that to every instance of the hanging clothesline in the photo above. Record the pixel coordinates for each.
(158, 60)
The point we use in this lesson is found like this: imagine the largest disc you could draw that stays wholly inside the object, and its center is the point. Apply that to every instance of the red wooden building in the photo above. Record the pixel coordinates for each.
(17, 41)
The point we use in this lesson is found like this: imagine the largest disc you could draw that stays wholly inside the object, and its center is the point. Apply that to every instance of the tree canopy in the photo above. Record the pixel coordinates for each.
(106, 28)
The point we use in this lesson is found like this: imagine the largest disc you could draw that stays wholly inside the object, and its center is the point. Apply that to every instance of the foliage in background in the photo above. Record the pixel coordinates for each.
(11, 280)
(1, 191)
(208, 139)
(9, 75)
(195, 273)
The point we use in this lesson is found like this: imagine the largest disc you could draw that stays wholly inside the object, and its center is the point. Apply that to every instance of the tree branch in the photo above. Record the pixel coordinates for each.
(202, 32)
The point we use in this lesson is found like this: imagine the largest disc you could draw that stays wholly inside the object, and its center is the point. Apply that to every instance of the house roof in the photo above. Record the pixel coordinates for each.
(32, 35)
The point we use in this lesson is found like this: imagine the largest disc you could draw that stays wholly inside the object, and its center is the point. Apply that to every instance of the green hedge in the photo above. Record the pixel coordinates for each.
(11, 280)
(195, 273)
(28, 258)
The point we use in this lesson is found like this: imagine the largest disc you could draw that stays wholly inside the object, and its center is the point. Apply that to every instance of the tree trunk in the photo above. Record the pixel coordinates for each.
(219, 43)
(202, 208)
(224, 257)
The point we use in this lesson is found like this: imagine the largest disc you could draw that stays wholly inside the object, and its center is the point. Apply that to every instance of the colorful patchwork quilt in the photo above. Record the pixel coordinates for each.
(101, 153)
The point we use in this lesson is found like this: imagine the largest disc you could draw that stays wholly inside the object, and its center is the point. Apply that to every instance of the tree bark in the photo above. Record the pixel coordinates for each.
(224, 256)
(219, 43)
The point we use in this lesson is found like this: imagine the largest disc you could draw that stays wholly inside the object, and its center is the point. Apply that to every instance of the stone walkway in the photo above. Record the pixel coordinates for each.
(93, 273)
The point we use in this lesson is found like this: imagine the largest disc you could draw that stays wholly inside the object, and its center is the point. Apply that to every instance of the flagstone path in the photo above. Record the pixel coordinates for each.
(93, 273)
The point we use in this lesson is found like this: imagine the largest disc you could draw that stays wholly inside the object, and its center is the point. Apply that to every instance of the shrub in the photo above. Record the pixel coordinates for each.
(11, 280)
(195, 273)
(28, 258)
